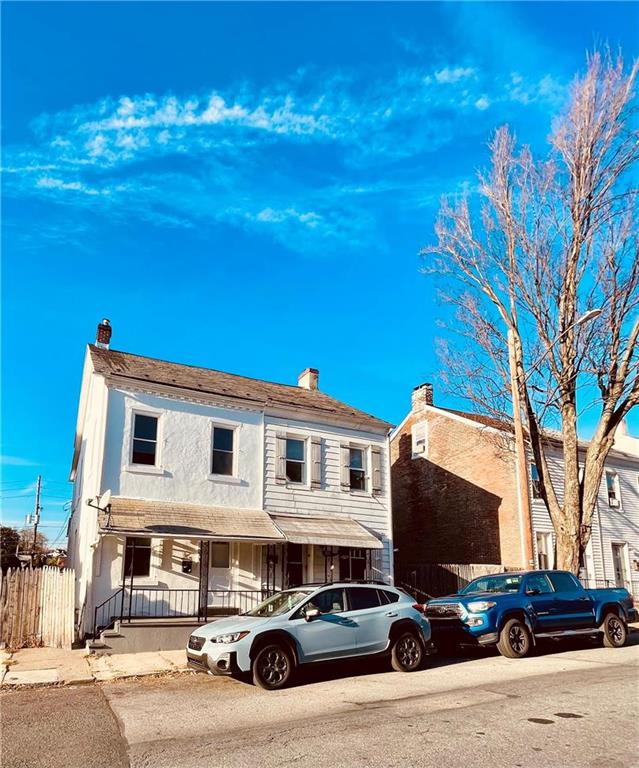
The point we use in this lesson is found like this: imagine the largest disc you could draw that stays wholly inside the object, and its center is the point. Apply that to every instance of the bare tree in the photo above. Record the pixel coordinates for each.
(554, 241)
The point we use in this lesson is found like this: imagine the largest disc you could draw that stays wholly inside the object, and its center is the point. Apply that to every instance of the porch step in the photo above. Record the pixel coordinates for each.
(140, 635)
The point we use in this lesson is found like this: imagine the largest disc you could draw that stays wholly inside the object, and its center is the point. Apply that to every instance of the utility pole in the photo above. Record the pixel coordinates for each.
(36, 517)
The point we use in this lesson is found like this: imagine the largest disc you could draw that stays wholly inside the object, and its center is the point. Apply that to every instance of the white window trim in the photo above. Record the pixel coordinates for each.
(234, 426)
(146, 469)
(366, 490)
(548, 538)
(413, 437)
(142, 581)
(306, 475)
(614, 472)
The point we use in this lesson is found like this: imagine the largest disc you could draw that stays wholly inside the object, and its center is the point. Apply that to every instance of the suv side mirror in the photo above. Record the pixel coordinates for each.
(312, 613)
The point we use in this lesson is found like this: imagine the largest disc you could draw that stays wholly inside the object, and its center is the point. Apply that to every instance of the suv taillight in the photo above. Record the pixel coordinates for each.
(418, 607)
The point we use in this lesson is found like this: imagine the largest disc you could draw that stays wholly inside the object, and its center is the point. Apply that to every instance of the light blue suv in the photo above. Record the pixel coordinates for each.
(308, 624)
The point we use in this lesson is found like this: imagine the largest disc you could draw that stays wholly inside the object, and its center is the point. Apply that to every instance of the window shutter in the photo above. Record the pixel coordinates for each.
(316, 462)
(280, 458)
(345, 467)
(376, 468)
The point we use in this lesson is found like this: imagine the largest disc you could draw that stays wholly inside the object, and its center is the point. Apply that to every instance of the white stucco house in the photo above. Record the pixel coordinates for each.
(199, 492)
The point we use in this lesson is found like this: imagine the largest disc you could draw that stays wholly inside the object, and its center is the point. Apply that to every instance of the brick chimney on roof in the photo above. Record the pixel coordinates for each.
(103, 334)
(308, 379)
(422, 395)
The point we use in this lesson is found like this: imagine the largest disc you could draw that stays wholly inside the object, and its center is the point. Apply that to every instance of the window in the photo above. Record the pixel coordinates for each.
(328, 601)
(137, 556)
(145, 439)
(536, 483)
(387, 597)
(544, 551)
(419, 435)
(220, 554)
(538, 583)
(360, 598)
(563, 582)
(294, 564)
(357, 469)
(222, 461)
(294, 460)
(612, 485)
(352, 564)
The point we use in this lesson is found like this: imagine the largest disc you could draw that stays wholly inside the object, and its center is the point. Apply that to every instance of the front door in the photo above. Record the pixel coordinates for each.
(220, 575)
(330, 635)
(619, 563)
(541, 596)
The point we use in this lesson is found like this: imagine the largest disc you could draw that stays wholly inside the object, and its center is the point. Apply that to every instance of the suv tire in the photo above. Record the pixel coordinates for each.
(407, 652)
(273, 667)
(615, 631)
(515, 640)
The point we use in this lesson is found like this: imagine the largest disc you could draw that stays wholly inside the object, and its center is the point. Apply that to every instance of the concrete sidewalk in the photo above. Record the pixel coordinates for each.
(55, 666)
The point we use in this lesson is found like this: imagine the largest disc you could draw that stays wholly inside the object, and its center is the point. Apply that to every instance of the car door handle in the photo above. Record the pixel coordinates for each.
(584, 599)
(392, 613)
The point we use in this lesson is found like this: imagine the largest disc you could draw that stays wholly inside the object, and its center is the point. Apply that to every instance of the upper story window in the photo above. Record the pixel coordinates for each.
(357, 469)
(295, 460)
(145, 439)
(419, 438)
(222, 460)
(612, 485)
(535, 481)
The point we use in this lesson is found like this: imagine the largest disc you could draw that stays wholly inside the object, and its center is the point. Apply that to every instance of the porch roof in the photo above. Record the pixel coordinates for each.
(329, 530)
(164, 519)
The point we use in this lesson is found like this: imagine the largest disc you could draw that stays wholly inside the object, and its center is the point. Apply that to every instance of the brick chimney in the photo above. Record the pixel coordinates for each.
(103, 335)
(422, 395)
(308, 378)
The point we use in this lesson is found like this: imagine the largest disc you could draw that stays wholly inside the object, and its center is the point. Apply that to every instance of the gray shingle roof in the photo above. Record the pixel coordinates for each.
(110, 362)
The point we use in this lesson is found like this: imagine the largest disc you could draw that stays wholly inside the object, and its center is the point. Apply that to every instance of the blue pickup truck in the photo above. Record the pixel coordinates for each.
(511, 610)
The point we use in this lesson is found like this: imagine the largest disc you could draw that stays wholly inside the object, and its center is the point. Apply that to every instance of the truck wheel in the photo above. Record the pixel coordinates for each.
(615, 631)
(273, 667)
(407, 653)
(514, 640)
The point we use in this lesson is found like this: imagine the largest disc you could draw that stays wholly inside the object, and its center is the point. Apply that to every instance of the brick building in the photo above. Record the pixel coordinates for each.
(453, 491)
(454, 498)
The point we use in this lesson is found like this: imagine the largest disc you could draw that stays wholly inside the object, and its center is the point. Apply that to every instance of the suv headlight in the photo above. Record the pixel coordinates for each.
(231, 637)
(479, 606)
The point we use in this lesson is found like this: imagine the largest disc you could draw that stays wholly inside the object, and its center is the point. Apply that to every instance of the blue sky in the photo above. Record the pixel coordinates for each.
(246, 187)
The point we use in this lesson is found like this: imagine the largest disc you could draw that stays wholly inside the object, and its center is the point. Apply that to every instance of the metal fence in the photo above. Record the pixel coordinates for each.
(161, 603)
(435, 579)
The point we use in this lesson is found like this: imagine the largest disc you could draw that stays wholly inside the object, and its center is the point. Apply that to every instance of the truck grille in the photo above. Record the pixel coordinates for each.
(443, 611)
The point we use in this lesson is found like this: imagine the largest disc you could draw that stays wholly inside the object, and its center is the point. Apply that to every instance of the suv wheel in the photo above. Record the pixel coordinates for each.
(407, 652)
(273, 667)
(514, 640)
(615, 631)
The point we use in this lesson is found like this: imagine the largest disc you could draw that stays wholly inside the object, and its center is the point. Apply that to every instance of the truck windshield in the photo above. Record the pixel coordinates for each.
(502, 582)
(279, 603)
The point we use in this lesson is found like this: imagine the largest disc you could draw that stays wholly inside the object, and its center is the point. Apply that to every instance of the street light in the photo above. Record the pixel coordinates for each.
(520, 447)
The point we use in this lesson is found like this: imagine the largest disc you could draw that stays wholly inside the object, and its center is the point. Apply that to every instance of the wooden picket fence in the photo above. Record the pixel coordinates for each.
(37, 607)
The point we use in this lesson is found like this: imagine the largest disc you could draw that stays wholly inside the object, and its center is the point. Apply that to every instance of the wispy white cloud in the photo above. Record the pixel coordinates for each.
(16, 461)
(254, 158)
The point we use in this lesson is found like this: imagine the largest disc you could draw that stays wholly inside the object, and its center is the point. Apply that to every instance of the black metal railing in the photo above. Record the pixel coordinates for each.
(162, 603)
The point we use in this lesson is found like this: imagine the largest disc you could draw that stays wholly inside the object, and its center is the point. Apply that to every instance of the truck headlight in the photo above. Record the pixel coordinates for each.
(479, 606)
(231, 637)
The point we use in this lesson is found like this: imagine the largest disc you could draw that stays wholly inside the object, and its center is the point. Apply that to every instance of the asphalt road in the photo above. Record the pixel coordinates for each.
(570, 706)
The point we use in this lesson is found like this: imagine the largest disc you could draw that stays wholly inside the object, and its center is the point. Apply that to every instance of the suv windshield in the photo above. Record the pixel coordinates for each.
(503, 582)
(279, 603)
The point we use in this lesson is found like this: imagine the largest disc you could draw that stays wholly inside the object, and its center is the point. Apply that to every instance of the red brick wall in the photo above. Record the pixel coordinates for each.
(459, 504)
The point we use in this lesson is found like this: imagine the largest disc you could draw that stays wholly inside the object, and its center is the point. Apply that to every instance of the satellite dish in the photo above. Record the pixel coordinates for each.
(105, 500)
